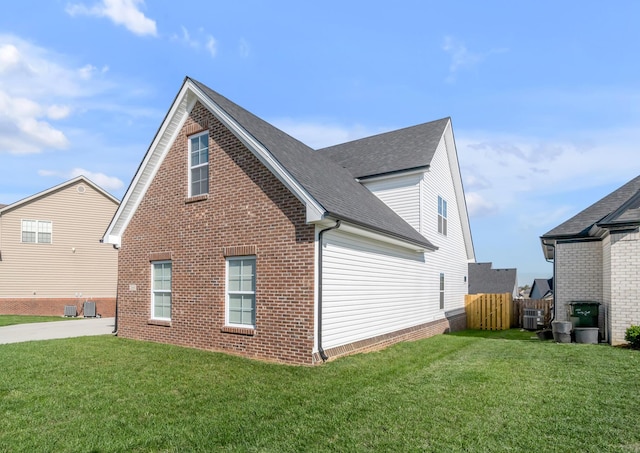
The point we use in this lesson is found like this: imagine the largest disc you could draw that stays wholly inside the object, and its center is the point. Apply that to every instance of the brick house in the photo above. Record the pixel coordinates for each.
(233, 236)
(596, 257)
(50, 251)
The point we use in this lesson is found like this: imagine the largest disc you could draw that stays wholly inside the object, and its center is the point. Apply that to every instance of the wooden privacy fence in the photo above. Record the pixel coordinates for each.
(540, 304)
(488, 311)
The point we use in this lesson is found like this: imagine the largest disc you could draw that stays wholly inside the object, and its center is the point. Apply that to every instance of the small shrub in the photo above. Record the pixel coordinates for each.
(632, 335)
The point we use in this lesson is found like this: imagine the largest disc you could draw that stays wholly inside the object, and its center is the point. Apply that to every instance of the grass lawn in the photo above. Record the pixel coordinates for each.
(451, 393)
(9, 320)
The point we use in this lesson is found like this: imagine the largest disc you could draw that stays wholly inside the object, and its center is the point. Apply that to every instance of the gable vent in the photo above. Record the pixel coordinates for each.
(81, 189)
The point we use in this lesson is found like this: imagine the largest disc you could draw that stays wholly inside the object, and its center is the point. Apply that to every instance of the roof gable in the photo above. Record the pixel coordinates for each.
(580, 224)
(45, 193)
(390, 152)
(620, 208)
(326, 189)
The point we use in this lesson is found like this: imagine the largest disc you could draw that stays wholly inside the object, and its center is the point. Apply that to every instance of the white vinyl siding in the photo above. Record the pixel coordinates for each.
(371, 288)
(451, 256)
(402, 194)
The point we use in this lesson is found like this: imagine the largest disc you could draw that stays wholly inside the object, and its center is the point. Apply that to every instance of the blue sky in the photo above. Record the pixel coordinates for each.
(544, 96)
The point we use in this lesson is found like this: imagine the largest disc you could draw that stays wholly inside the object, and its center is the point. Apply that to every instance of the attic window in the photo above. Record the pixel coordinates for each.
(199, 164)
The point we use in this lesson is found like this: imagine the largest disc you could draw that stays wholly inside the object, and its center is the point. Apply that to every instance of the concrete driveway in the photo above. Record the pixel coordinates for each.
(58, 329)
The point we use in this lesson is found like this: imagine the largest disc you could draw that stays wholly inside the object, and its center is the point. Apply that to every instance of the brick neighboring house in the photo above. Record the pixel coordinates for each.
(233, 236)
(596, 257)
(50, 251)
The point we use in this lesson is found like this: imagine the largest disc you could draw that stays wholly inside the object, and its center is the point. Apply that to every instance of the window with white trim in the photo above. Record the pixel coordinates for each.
(199, 164)
(441, 291)
(36, 231)
(442, 215)
(241, 291)
(161, 290)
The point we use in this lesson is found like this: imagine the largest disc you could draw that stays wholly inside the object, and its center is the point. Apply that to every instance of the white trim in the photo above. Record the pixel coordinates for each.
(228, 259)
(158, 149)
(58, 187)
(200, 165)
(454, 167)
(314, 210)
(170, 128)
(359, 231)
(36, 231)
(153, 291)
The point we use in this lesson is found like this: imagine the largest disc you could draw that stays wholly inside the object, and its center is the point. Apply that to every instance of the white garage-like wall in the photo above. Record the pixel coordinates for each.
(371, 288)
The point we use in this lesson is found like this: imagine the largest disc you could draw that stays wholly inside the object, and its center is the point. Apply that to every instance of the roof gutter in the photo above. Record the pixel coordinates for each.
(323, 355)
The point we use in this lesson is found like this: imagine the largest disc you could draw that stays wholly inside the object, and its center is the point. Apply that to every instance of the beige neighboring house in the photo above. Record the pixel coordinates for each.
(51, 254)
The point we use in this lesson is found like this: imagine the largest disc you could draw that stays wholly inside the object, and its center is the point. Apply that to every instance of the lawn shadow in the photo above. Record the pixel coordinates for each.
(509, 334)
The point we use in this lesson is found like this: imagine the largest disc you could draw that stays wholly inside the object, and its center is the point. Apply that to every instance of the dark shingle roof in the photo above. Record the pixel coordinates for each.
(484, 280)
(411, 147)
(580, 224)
(540, 288)
(328, 183)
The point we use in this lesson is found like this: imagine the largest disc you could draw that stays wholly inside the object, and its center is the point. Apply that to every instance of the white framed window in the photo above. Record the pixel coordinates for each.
(241, 291)
(161, 289)
(199, 164)
(442, 216)
(441, 291)
(36, 231)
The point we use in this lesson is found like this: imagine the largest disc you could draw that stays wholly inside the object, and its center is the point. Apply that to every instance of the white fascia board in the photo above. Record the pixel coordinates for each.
(454, 167)
(314, 210)
(161, 144)
(360, 231)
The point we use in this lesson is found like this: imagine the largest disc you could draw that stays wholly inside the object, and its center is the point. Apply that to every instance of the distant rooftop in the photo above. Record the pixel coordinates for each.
(485, 280)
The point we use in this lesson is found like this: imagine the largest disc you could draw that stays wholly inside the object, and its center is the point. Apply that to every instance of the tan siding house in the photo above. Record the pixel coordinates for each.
(50, 251)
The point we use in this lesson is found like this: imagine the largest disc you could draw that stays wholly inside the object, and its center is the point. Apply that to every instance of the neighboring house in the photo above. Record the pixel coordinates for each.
(542, 288)
(236, 237)
(51, 253)
(485, 280)
(596, 257)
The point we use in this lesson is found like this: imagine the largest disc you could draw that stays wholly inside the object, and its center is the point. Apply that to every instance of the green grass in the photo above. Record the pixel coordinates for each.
(9, 320)
(450, 393)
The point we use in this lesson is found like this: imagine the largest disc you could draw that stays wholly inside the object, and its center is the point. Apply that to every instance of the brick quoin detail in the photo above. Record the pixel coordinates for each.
(247, 211)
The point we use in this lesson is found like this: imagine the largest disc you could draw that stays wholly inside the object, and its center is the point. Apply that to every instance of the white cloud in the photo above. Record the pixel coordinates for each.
(320, 135)
(211, 46)
(109, 183)
(244, 48)
(38, 88)
(201, 40)
(9, 57)
(121, 12)
(462, 57)
(21, 129)
(525, 174)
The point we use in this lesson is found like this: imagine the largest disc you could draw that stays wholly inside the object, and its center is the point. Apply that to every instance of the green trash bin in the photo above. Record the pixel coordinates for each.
(586, 313)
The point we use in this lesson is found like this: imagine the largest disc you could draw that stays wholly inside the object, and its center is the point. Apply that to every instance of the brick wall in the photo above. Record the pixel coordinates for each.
(578, 275)
(105, 306)
(625, 284)
(247, 208)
